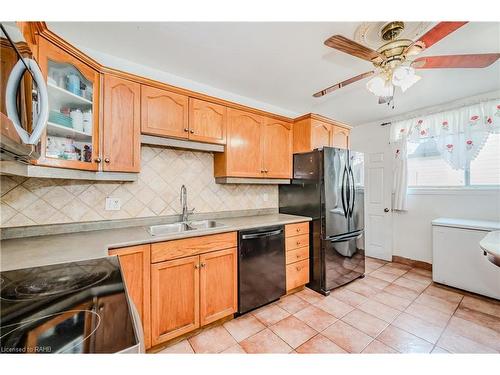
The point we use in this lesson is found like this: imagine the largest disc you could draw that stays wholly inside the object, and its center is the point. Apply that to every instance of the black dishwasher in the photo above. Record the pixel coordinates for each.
(261, 267)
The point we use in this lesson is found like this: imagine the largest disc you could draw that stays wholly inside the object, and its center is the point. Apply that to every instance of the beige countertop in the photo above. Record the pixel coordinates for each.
(70, 247)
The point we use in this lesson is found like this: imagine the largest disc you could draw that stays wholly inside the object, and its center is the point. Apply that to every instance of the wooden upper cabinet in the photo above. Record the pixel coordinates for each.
(74, 86)
(121, 125)
(340, 137)
(313, 131)
(243, 154)
(321, 134)
(164, 113)
(175, 298)
(277, 149)
(207, 121)
(218, 285)
(135, 263)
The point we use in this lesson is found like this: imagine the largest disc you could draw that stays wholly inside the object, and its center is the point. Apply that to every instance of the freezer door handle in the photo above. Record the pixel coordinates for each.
(347, 236)
(351, 209)
(261, 235)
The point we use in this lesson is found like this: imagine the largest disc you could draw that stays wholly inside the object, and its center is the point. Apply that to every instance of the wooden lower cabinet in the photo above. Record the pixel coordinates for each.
(190, 292)
(218, 285)
(135, 263)
(175, 302)
(297, 255)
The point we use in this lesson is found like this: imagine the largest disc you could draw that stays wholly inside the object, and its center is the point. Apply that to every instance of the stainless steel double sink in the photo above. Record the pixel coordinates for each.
(163, 229)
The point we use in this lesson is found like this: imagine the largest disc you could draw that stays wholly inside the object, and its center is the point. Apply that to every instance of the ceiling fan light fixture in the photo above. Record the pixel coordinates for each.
(404, 77)
(380, 86)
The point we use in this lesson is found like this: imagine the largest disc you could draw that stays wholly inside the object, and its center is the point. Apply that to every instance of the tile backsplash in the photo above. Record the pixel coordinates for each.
(32, 201)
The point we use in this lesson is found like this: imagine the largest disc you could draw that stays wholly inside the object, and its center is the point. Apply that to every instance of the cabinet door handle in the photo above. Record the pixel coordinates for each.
(202, 265)
(186, 130)
(97, 160)
(191, 131)
(106, 160)
(196, 266)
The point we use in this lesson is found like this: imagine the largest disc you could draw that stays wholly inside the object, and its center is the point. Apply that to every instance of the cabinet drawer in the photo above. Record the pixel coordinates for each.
(296, 229)
(297, 254)
(297, 274)
(191, 246)
(295, 242)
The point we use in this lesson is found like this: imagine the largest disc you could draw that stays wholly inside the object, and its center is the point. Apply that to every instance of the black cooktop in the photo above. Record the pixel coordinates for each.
(78, 307)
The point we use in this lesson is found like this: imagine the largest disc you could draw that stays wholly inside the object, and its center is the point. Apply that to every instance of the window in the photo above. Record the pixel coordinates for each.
(426, 167)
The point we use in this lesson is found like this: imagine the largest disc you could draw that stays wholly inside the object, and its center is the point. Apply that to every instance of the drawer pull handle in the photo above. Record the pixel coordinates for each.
(298, 229)
(298, 255)
(298, 242)
(298, 268)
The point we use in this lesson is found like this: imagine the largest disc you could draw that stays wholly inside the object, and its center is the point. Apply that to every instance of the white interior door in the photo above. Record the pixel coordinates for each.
(378, 214)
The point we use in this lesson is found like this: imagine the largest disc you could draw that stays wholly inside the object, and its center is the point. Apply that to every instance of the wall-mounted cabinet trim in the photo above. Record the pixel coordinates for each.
(26, 170)
(180, 143)
(253, 181)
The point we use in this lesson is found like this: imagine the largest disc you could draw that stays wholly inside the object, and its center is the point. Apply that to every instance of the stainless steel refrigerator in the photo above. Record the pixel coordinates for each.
(328, 186)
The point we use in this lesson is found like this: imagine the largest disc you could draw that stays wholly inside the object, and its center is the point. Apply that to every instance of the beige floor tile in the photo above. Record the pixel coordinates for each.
(235, 349)
(182, 347)
(377, 347)
(478, 317)
(383, 275)
(437, 303)
(411, 284)
(361, 288)
(444, 293)
(319, 344)
(365, 322)
(418, 277)
(401, 291)
(334, 306)
(391, 268)
(213, 340)
(485, 306)
(348, 296)
(438, 350)
(393, 301)
(379, 310)
(476, 332)
(373, 262)
(293, 331)
(315, 318)
(270, 314)
(310, 296)
(243, 327)
(403, 341)
(458, 344)
(429, 314)
(420, 328)
(292, 303)
(347, 337)
(374, 282)
(265, 342)
(422, 271)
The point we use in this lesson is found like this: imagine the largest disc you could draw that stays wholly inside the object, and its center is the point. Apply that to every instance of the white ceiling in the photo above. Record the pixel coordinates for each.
(283, 64)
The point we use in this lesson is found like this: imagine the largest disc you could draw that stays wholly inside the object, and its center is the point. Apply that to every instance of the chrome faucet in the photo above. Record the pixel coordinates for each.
(185, 210)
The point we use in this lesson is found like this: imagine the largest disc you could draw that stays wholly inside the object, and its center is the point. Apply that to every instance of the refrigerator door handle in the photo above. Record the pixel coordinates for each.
(261, 235)
(342, 192)
(351, 209)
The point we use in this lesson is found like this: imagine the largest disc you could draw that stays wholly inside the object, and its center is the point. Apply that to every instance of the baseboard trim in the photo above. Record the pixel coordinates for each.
(412, 263)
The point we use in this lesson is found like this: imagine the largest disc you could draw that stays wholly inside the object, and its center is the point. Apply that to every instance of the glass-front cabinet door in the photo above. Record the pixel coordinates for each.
(71, 137)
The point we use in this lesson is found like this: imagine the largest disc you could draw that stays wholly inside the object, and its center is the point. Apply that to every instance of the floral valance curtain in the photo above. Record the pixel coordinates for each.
(457, 135)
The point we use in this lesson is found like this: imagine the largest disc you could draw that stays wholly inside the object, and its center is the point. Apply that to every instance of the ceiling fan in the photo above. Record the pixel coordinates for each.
(394, 63)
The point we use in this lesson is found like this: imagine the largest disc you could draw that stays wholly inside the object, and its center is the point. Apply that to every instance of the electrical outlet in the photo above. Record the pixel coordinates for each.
(113, 204)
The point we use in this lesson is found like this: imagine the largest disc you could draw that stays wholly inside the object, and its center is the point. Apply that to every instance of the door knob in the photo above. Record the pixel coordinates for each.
(386, 209)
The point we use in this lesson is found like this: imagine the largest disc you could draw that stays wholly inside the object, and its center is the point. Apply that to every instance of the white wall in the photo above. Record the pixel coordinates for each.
(412, 229)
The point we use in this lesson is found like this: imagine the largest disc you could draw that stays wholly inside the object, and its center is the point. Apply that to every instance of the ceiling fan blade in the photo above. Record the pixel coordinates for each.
(342, 84)
(351, 47)
(456, 61)
(432, 36)
(438, 32)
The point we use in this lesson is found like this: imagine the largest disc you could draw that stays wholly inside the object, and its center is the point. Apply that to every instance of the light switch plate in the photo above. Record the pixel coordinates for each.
(113, 204)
